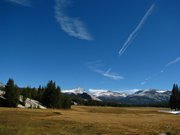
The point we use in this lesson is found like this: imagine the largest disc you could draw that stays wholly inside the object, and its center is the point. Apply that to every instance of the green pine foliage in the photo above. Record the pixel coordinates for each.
(12, 94)
(50, 95)
(174, 101)
(40, 93)
(66, 102)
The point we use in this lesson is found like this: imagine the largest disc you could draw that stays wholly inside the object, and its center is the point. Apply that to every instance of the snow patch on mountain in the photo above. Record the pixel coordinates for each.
(161, 91)
(75, 91)
(136, 96)
(149, 92)
(79, 91)
(102, 92)
(129, 91)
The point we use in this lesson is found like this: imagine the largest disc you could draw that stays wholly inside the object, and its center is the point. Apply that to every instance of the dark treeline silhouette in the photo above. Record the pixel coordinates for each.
(86, 100)
(174, 102)
(89, 102)
(49, 95)
(12, 94)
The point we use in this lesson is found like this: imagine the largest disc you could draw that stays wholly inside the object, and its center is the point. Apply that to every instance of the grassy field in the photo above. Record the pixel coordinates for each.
(88, 121)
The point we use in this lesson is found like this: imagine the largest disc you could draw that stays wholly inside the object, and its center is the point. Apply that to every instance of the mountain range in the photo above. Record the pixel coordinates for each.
(137, 97)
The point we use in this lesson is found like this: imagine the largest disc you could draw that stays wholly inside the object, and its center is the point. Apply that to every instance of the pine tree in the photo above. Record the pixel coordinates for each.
(40, 93)
(66, 102)
(58, 97)
(24, 95)
(174, 97)
(12, 94)
(178, 99)
(51, 95)
(33, 92)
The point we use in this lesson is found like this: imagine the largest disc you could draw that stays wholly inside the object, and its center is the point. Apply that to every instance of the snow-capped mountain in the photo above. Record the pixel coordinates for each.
(74, 91)
(81, 93)
(149, 92)
(148, 96)
(108, 93)
(138, 97)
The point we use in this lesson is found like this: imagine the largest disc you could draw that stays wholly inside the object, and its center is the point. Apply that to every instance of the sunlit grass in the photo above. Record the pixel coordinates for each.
(87, 121)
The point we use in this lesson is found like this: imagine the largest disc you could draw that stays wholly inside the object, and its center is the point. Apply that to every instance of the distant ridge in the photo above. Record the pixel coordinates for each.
(139, 97)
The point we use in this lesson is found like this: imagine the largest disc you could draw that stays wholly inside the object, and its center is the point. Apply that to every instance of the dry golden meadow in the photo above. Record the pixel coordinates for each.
(82, 120)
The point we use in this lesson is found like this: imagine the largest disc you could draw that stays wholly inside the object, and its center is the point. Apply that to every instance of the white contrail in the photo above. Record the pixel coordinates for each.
(134, 33)
(95, 67)
(72, 26)
(175, 61)
(111, 75)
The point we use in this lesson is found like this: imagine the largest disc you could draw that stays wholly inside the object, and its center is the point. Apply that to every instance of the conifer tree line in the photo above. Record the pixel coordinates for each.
(174, 101)
(49, 95)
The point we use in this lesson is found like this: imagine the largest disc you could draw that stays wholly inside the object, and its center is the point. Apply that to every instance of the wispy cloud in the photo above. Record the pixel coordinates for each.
(133, 34)
(72, 26)
(21, 2)
(95, 66)
(175, 61)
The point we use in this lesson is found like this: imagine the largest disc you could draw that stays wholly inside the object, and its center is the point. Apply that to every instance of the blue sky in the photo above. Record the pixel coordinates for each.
(99, 44)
